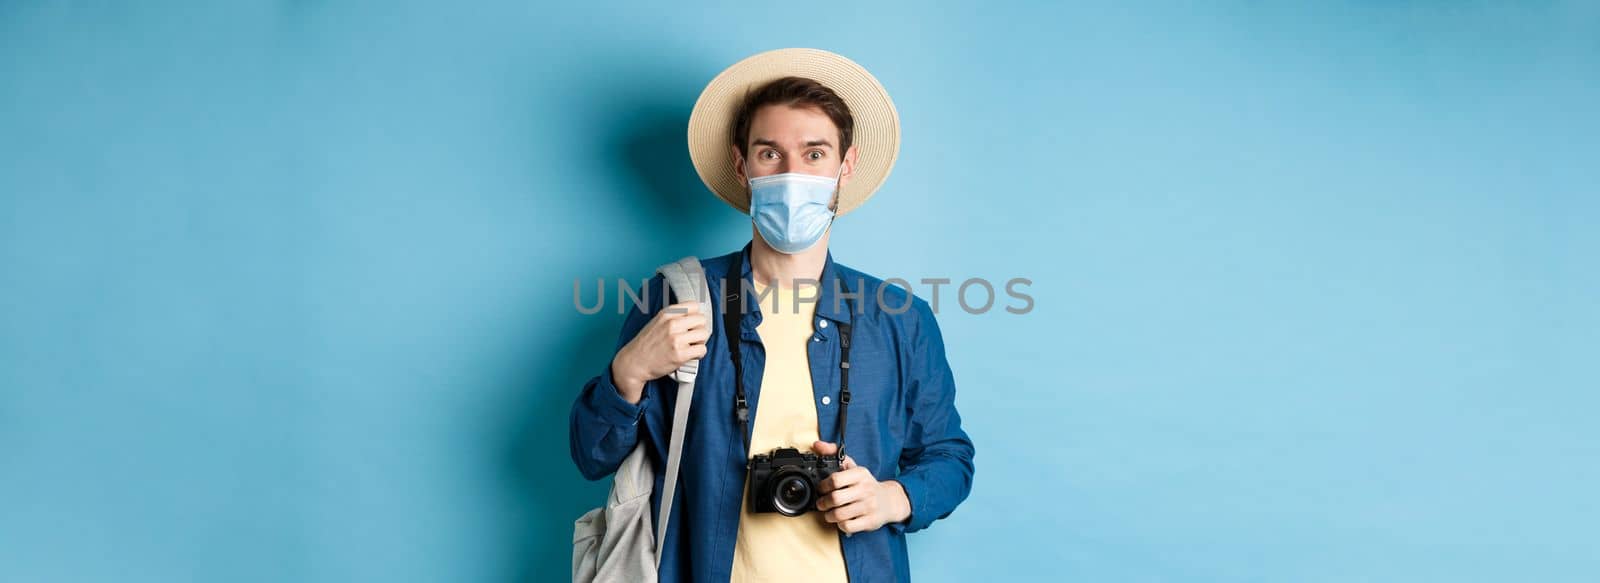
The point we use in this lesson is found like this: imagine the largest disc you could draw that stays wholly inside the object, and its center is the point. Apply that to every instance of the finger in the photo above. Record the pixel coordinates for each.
(859, 524)
(844, 513)
(697, 322)
(848, 463)
(840, 497)
(690, 352)
(843, 479)
(681, 308)
(696, 336)
(686, 322)
(847, 512)
(832, 500)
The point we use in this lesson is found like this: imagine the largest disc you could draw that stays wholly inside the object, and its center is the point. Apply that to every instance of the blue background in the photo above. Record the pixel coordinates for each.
(286, 287)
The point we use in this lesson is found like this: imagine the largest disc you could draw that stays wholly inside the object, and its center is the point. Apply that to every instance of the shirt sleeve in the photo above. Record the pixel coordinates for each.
(936, 460)
(604, 426)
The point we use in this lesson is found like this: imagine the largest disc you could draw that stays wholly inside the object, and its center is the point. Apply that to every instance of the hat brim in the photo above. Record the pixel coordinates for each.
(877, 124)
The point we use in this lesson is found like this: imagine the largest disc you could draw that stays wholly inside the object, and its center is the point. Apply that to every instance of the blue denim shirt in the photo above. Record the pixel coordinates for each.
(902, 421)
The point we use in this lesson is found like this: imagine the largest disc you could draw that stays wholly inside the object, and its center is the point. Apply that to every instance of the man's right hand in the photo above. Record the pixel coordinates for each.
(674, 336)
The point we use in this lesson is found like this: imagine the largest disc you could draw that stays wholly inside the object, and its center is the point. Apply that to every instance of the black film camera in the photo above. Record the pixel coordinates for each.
(786, 481)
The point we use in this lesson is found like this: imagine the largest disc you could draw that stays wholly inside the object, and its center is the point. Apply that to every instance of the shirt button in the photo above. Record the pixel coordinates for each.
(826, 400)
(822, 323)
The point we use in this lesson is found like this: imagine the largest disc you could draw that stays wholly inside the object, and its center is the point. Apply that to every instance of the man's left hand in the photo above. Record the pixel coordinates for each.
(855, 501)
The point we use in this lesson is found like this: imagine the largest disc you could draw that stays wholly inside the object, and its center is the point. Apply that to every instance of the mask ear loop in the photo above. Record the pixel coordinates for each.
(838, 191)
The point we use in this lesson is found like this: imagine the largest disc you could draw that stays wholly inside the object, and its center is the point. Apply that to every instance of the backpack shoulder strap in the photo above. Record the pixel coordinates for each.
(688, 282)
(687, 278)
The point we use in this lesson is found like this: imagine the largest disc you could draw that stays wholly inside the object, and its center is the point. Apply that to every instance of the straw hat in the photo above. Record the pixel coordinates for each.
(877, 125)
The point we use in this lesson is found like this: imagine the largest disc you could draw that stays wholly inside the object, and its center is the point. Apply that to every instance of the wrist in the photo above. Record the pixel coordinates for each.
(629, 387)
(900, 510)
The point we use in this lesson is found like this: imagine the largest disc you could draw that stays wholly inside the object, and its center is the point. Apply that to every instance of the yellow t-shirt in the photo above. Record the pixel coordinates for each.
(771, 546)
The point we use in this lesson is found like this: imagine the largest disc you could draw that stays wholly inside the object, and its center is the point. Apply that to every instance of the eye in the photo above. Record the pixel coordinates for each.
(769, 154)
(815, 155)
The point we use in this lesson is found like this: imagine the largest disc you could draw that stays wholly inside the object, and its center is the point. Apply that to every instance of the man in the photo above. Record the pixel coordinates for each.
(793, 138)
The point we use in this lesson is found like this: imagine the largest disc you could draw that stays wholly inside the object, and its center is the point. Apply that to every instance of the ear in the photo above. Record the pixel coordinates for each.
(847, 168)
(849, 162)
(738, 164)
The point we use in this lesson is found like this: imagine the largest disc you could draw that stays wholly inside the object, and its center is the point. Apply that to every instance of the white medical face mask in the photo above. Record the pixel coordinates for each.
(791, 209)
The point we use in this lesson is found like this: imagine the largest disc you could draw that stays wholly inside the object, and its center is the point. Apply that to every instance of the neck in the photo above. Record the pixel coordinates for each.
(769, 267)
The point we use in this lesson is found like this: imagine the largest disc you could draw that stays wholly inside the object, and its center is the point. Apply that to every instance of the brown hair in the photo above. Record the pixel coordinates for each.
(794, 92)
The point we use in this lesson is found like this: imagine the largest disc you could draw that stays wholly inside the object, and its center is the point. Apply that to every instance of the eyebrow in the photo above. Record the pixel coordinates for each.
(808, 144)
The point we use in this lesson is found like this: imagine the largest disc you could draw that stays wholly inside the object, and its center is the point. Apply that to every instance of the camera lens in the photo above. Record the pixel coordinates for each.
(791, 495)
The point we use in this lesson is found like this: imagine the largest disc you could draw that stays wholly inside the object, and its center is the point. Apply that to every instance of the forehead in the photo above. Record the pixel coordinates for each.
(785, 124)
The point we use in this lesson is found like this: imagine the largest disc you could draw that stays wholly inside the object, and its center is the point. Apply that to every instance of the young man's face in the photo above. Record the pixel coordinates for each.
(793, 139)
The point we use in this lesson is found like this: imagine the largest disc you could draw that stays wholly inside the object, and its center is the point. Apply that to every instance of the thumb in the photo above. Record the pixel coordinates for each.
(824, 448)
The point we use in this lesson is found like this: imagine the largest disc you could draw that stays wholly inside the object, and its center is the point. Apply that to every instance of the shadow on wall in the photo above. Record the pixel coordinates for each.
(668, 211)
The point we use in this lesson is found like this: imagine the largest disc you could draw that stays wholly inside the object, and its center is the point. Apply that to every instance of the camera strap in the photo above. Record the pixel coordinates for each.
(732, 311)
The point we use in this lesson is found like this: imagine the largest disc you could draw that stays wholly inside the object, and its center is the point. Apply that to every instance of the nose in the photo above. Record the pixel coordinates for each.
(783, 167)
